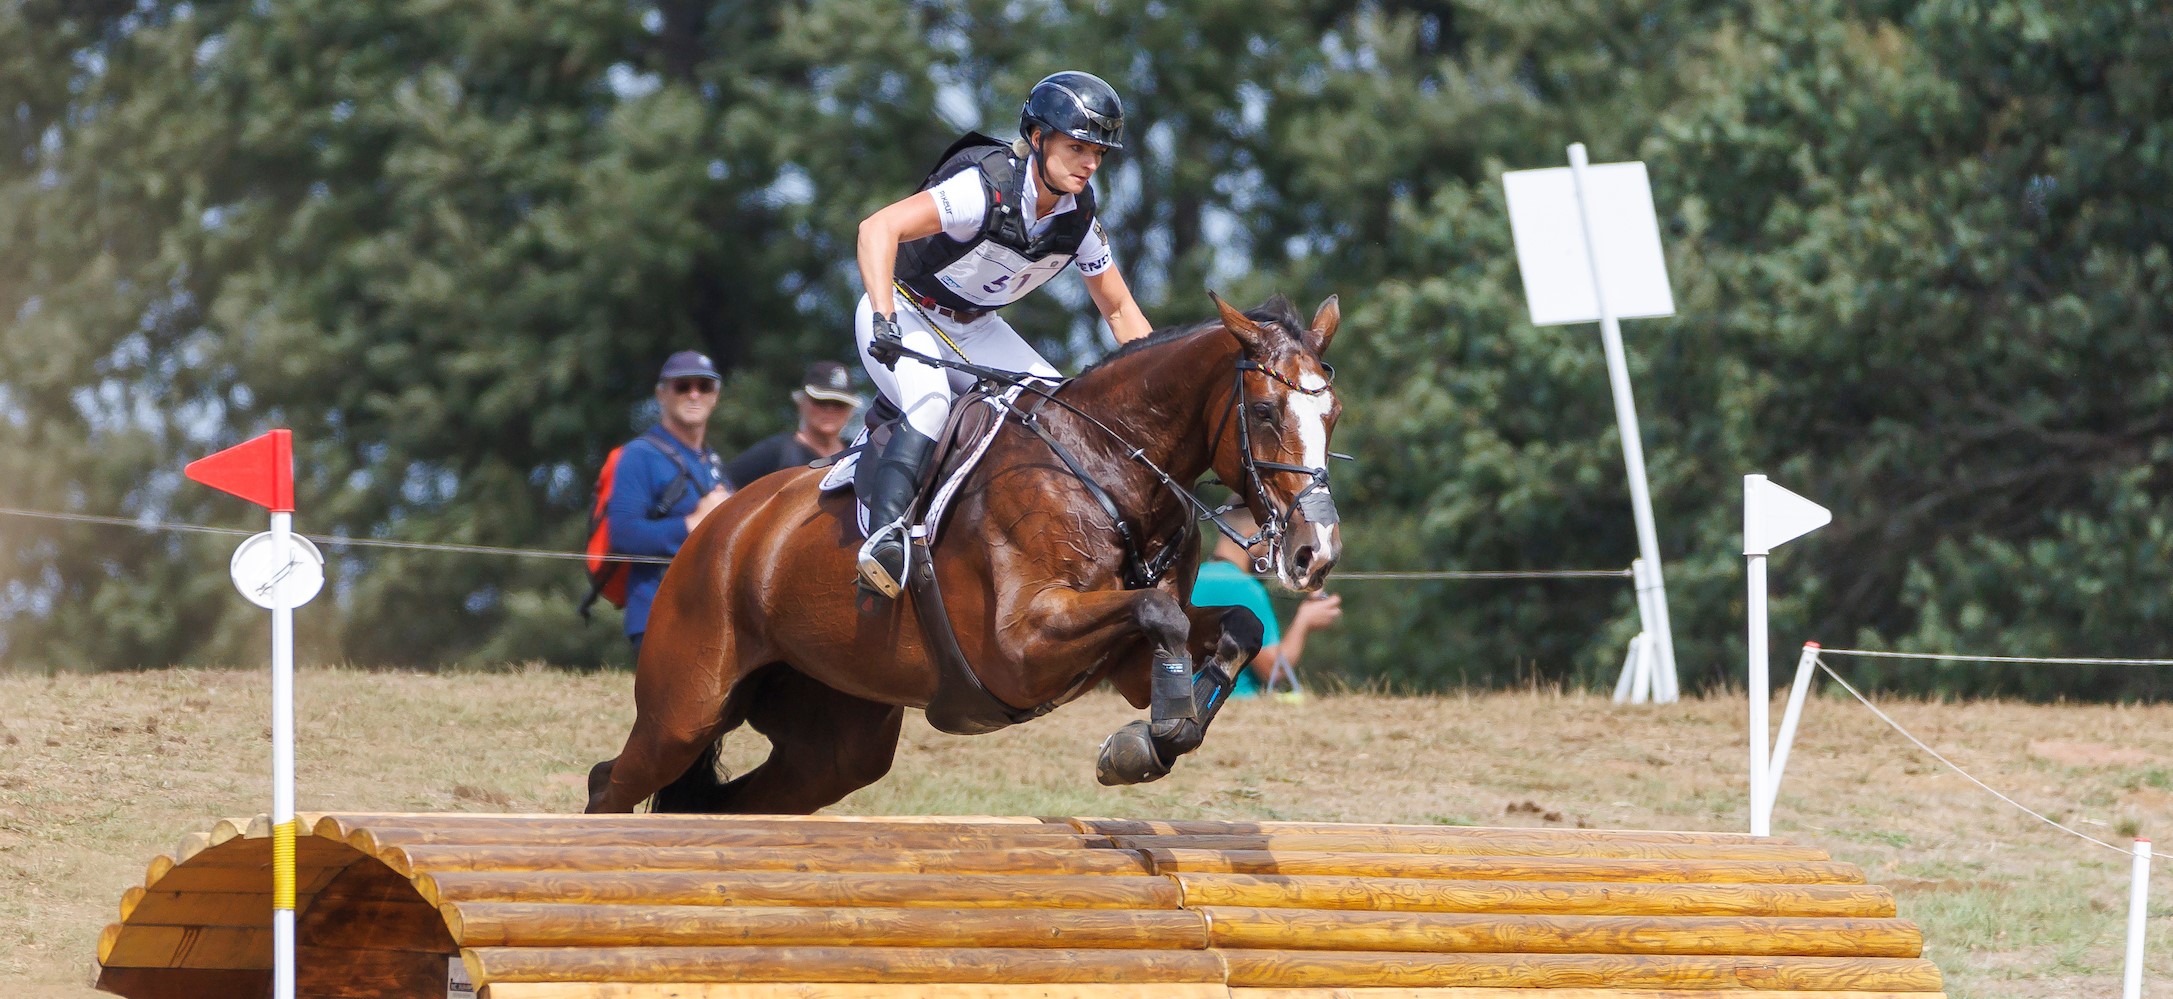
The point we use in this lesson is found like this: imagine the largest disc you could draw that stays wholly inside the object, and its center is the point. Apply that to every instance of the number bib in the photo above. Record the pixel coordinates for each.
(992, 276)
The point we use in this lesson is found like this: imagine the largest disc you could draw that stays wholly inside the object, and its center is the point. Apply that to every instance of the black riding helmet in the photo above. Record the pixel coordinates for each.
(1076, 104)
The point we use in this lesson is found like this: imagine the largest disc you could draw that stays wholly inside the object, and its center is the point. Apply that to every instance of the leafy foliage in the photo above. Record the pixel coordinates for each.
(1919, 253)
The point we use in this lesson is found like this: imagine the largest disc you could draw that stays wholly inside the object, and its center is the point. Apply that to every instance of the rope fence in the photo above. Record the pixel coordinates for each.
(1948, 657)
(340, 541)
(1950, 764)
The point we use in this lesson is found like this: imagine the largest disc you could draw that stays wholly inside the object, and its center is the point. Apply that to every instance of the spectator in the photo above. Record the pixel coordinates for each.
(1224, 581)
(666, 481)
(826, 400)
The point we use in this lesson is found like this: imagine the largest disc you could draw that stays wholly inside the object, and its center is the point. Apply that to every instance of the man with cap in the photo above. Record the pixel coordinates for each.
(666, 481)
(826, 401)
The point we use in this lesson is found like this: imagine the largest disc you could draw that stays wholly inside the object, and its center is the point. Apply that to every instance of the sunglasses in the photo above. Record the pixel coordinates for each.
(692, 386)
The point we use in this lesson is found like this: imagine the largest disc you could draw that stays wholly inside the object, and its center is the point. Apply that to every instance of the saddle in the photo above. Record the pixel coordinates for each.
(967, 433)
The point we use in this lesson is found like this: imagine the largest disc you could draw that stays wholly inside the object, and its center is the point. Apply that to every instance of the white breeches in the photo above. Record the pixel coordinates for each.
(923, 391)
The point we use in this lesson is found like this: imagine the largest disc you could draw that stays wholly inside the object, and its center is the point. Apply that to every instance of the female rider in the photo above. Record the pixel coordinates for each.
(992, 222)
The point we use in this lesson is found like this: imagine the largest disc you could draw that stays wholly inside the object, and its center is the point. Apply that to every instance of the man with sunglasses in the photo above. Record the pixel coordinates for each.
(993, 221)
(666, 481)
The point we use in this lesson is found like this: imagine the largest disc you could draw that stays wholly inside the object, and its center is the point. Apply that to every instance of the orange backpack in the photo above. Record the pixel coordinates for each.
(607, 576)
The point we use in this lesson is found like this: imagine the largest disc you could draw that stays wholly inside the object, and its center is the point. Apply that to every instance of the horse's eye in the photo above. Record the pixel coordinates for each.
(1264, 412)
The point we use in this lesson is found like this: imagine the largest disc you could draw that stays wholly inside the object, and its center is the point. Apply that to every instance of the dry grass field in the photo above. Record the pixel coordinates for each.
(98, 772)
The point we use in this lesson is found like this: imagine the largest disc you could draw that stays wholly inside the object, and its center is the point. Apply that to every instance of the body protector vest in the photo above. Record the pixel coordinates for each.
(1001, 263)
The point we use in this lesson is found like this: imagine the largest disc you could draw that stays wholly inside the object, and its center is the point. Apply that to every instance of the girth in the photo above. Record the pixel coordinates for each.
(961, 705)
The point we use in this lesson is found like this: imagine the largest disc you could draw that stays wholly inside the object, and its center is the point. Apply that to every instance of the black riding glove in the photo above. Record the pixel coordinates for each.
(888, 345)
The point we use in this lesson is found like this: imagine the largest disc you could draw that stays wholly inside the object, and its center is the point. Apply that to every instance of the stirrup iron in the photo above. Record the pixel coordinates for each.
(873, 573)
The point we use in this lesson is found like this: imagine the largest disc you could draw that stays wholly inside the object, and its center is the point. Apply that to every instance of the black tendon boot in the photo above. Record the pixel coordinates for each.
(894, 479)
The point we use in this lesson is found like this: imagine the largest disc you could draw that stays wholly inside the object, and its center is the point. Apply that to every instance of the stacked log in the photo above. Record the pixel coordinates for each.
(770, 907)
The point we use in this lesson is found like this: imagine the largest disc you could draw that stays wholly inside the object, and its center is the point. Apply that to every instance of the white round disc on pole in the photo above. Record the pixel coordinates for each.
(271, 578)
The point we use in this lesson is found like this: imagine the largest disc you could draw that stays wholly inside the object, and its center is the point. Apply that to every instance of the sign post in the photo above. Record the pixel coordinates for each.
(279, 571)
(1588, 246)
(1772, 516)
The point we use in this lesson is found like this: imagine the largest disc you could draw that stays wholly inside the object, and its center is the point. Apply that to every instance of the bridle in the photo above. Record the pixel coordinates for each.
(1312, 499)
(1139, 571)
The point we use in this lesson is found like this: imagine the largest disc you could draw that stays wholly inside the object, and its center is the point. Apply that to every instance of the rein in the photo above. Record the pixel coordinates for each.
(1141, 572)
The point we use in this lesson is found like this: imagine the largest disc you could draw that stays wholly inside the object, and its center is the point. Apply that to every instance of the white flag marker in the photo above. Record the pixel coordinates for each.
(1772, 516)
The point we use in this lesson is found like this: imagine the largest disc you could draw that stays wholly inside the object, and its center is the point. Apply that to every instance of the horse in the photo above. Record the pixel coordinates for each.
(1067, 559)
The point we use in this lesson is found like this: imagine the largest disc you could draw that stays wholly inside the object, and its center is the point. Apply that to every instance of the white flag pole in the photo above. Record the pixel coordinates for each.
(2131, 979)
(282, 777)
(1760, 823)
(1633, 445)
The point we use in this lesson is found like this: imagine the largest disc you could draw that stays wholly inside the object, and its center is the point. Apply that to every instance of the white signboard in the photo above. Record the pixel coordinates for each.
(1551, 243)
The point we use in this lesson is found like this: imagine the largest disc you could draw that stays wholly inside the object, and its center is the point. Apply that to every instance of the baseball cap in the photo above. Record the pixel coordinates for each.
(828, 381)
(689, 364)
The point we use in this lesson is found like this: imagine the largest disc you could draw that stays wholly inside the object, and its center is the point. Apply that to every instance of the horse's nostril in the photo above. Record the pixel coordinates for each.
(1303, 557)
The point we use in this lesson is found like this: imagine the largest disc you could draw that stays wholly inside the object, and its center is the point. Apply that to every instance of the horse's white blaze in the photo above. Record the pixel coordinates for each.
(1311, 412)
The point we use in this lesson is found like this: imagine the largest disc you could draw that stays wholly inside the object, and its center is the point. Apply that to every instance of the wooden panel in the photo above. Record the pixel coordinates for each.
(1533, 897)
(1483, 993)
(1207, 827)
(1404, 865)
(418, 859)
(849, 965)
(185, 983)
(1109, 891)
(834, 990)
(370, 908)
(500, 924)
(1345, 969)
(1487, 846)
(229, 947)
(202, 908)
(340, 973)
(1274, 929)
(729, 835)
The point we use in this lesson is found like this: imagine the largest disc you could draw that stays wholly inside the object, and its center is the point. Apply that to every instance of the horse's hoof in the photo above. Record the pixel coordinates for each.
(1128, 757)
(599, 782)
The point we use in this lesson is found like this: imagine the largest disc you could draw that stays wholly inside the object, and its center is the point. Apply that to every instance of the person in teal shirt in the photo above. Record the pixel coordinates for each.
(1224, 582)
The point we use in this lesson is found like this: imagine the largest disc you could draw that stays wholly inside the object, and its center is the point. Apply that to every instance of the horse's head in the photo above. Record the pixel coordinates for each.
(1276, 421)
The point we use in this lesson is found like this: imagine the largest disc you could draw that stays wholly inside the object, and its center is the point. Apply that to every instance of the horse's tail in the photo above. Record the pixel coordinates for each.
(700, 789)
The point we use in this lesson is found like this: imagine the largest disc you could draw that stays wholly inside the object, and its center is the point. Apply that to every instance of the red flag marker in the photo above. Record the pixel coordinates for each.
(260, 471)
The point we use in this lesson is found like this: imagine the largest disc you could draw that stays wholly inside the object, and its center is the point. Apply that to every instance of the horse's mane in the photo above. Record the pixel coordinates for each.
(1277, 310)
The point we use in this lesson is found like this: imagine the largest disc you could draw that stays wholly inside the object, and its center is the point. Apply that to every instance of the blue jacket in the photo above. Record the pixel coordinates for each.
(644, 474)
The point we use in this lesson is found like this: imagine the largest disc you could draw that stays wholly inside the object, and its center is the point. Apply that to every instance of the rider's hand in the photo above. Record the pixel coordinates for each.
(887, 345)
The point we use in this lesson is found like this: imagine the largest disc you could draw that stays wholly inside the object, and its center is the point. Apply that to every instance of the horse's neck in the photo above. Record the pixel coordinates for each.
(1157, 398)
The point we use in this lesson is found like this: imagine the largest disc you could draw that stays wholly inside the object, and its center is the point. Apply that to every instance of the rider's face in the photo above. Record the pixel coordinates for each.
(1071, 163)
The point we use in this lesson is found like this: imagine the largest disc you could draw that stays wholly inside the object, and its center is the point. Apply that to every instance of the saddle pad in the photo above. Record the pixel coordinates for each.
(840, 475)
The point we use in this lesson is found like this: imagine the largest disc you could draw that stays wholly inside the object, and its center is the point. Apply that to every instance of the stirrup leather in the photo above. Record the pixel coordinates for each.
(872, 570)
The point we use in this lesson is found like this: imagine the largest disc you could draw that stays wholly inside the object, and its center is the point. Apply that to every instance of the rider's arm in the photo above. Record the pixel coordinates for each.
(910, 218)
(1111, 295)
(1114, 298)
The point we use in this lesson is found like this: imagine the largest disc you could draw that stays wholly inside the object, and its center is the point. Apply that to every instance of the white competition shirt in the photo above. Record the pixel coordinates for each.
(962, 205)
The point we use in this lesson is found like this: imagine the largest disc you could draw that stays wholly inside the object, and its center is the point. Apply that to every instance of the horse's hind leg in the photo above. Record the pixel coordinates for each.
(824, 745)
(681, 690)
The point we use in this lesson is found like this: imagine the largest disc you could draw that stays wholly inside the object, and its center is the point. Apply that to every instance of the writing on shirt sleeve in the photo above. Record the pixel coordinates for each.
(1094, 256)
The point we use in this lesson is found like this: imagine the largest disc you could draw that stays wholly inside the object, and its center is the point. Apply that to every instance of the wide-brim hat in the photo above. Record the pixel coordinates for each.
(828, 381)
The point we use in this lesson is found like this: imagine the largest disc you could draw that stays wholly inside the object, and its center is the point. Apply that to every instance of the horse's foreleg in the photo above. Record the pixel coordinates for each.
(1224, 639)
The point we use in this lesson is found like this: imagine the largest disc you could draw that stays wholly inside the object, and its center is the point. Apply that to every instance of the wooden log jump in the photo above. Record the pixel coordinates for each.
(991, 907)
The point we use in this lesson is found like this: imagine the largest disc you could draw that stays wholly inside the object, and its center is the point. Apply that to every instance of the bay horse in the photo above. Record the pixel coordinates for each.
(1066, 559)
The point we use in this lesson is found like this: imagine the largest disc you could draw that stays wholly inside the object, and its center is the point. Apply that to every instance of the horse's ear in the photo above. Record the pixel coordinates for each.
(1324, 324)
(1247, 332)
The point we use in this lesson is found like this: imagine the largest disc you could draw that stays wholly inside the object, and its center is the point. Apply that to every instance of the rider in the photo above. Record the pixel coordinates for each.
(993, 221)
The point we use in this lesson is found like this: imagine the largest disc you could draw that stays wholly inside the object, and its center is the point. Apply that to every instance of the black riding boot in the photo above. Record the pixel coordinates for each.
(892, 483)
